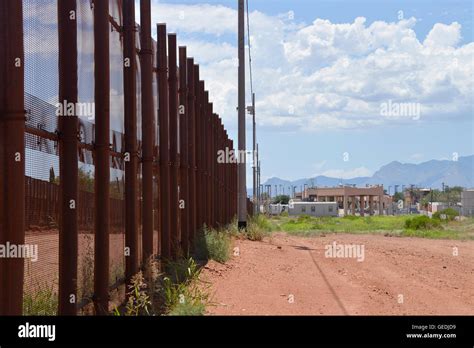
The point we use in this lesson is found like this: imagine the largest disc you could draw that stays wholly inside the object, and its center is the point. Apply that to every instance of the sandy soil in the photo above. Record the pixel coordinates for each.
(289, 275)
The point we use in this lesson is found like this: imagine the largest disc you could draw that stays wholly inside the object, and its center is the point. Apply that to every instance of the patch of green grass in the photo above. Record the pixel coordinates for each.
(257, 228)
(432, 234)
(394, 225)
(348, 224)
(182, 270)
(450, 214)
(213, 245)
(422, 223)
(188, 309)
(44, 301)
(181, 292)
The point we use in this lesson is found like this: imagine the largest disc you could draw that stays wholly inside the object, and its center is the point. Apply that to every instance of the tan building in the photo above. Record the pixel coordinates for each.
(350, 198)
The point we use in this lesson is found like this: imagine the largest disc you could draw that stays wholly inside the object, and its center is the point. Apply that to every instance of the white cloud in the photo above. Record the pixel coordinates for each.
(443, 35)
(202, 18)
(347, 173)
(327, 75)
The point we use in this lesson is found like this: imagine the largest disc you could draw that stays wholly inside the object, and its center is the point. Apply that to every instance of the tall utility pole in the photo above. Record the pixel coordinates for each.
(258, 181)
(254, 155)
(242, 186)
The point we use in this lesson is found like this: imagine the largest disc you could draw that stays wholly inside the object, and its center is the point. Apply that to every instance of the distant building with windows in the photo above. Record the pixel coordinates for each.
(314, 208)
(363, 200)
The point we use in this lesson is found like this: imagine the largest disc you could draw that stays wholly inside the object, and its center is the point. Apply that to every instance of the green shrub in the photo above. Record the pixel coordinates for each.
(232, 228)
(181, 270)
(449, 212)
(284, 214)
(422, 222)
(255, 232)
(214, 245)
(180, 290)
(257, 228)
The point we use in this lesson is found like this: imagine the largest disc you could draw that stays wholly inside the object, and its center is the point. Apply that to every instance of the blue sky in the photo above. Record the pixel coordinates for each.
(322, 70)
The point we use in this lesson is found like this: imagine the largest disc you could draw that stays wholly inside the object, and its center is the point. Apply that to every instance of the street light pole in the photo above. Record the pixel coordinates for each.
(254, 155)
(242, 187)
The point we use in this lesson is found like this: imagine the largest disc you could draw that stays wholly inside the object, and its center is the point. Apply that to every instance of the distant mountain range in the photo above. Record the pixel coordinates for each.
(430, 174)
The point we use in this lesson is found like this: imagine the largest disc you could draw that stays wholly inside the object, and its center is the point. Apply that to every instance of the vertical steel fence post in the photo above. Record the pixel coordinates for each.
(234, 183)
(173, 140)
(191, 127)
(222, 197)
(209, 164)
(222, 166)
(198, 152)
(102, 156)
(213, 169)
(221, 178)
(184, 150)
(68, 157)
(164, 143)
(202, 141)
(148, 128)
(197, 147)
(12, 153)
(226, 185)
(206, 158)
(131, 148)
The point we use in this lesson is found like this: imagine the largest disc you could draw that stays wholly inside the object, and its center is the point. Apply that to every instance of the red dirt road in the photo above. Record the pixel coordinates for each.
(290, 275)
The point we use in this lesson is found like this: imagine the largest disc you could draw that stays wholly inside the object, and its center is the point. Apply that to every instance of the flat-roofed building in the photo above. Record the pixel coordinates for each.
(467, 202)
(313, 208)
(362, 199)
(277, 209)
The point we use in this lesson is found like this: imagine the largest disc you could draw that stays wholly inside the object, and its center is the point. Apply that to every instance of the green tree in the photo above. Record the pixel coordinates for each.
(282, 199)
(398, 196)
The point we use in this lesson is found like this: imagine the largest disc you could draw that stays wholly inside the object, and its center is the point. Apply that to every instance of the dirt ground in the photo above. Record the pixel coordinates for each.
(290, 275)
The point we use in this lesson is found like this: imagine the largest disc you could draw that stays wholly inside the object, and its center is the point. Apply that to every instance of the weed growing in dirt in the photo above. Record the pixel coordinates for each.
(258, 227)
(86, 284)
(43, 301)
(254, 232)
(214, 245)
(138, 300)
(180, 290)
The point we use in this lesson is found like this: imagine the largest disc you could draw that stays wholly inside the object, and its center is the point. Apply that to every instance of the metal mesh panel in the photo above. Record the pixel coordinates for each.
(42, 163)
(117, 173)
(85, 57)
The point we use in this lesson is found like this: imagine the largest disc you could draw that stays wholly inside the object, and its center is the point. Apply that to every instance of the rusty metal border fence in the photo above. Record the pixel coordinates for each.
(194, 188)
